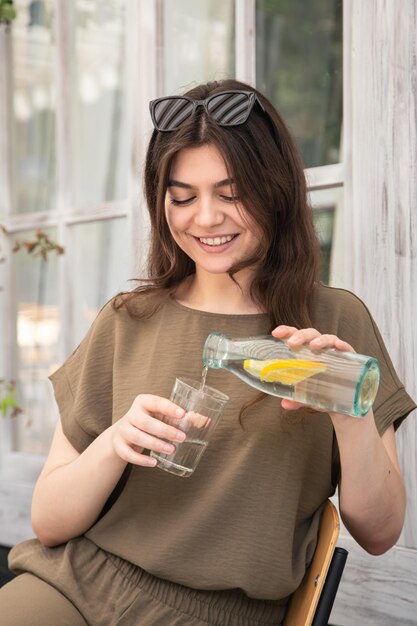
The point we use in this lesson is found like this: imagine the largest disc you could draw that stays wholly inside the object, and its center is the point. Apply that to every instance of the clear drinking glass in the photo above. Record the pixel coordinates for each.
(204, 406)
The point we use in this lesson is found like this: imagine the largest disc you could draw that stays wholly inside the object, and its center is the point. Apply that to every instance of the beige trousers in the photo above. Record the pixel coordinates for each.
(29, 600)
(79, 584)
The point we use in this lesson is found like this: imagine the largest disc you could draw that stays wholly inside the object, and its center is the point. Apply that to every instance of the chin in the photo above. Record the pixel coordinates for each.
(215, 269)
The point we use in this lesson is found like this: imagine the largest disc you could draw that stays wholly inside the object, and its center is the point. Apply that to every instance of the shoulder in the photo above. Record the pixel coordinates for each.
(105, 322)
(118, 318)
(327, 298)
(128, 308)
(140, 304)
(335, 310)
(113, 330)
(337, 297)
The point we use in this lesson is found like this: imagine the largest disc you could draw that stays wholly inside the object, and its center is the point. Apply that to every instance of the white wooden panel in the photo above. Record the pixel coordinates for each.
(324, 176)
(381, 193)
(380, 242)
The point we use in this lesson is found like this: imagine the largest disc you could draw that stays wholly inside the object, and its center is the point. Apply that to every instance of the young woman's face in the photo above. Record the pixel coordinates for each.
(204, 214)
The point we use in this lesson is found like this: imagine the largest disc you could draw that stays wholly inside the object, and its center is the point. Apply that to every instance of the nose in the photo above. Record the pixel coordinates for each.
(208, 213)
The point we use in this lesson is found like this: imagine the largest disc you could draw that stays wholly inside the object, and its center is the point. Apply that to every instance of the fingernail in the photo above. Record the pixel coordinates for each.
(168, 448)
(180, 436)
(179, 412)
(152, 462)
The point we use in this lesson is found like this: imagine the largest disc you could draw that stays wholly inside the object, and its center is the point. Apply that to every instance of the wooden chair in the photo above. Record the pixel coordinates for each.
(312, 602)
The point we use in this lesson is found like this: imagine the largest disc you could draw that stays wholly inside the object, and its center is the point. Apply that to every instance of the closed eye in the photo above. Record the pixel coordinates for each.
(230, 198)
(176, 202)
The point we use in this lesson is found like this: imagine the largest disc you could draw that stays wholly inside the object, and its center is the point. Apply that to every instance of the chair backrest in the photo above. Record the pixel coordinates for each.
(304, 601)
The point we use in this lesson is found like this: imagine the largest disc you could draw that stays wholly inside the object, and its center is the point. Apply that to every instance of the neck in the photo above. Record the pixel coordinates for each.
(217, 293)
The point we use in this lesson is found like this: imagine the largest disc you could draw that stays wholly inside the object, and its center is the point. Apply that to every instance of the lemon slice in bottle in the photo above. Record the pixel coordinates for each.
(255, 367)
(284, 371)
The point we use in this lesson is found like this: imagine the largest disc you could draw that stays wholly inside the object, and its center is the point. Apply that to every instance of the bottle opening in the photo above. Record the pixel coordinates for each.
(366, 388)
(215, 350)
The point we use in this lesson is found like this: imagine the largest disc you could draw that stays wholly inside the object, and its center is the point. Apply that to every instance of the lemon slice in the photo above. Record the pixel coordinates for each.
(255, 367)
(284, 371)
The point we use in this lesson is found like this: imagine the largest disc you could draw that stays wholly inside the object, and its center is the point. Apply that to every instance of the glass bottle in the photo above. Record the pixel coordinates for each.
(328, 380)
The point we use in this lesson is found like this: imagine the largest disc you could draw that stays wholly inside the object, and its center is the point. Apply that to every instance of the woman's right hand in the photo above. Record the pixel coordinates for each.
(142, 427)
(73, 487)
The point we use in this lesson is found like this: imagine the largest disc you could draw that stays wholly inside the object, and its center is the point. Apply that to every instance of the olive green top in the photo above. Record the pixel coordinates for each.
(248, 517)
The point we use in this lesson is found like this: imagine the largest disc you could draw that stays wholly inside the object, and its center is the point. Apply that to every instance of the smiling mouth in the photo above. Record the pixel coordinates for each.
(216, 241)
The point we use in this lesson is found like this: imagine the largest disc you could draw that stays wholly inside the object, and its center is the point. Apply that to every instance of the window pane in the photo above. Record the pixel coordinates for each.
(100, 160)
(36, 291)
(198, 42)
(299, 66)
(100, 269)
(34, 51)
(327, 205)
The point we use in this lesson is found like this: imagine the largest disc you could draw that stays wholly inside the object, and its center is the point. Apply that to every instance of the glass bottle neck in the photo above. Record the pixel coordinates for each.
(215, 350)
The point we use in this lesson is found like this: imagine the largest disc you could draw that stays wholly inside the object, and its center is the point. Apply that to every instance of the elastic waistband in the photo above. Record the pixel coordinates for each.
(216, 607)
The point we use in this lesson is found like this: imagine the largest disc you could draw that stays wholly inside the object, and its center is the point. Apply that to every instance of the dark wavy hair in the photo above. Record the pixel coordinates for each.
(260, 155)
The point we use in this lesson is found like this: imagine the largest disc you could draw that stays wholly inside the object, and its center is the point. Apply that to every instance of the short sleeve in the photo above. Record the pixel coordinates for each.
(392, 403)
(83, 384)
(351, 321)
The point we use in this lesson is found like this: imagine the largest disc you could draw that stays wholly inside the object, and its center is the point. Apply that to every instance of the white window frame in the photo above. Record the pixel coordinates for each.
(19, 471)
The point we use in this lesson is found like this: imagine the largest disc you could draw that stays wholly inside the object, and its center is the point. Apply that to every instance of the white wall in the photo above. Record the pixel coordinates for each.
(380, 241)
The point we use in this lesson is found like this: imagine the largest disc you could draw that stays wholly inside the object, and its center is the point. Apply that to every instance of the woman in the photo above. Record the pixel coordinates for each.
(233, 249)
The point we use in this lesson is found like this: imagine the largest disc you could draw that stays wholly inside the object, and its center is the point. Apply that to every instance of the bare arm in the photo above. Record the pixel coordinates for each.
(372, 496)
(371, 491)
(73, 488)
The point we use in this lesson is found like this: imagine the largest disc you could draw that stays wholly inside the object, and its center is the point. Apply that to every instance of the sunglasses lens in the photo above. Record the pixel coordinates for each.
(170, 113)
(230, 109)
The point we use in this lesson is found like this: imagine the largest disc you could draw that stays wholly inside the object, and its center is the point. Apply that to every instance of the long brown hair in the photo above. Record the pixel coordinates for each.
(262, 158)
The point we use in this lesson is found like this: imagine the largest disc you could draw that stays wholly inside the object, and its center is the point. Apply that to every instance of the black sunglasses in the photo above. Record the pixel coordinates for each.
(228, 108)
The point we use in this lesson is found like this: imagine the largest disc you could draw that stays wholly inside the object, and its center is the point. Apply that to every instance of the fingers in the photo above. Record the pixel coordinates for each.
(157, 404)
(330, 341)
(195, 420)
(297, 337)
(140, 429)
(291, 405)
(144, 426)
(281, 332)
(128, 454)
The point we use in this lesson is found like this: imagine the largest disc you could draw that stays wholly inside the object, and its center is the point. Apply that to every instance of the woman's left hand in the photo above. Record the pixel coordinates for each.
(297, 337)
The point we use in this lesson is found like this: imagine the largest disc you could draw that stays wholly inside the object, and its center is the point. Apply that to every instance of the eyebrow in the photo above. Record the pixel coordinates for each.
(221, 183)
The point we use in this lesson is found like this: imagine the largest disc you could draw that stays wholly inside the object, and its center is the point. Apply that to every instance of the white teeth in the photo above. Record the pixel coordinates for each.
(216, 241)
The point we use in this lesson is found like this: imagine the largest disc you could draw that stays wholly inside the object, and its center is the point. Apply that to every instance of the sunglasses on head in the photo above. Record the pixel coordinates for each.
(227, 108)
